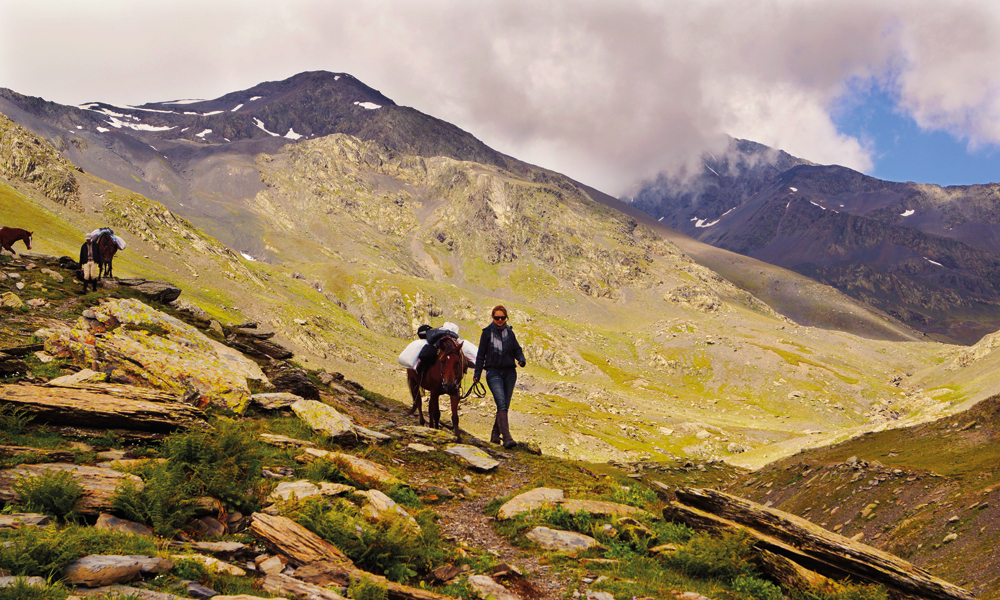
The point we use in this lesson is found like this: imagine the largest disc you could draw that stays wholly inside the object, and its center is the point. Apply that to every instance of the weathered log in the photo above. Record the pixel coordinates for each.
(98, 484)
(105, 407)
(809, 544)
(325, 573)
(296, 542)
(293, 588)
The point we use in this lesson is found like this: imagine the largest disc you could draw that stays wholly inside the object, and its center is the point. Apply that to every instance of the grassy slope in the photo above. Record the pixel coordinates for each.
(936, 479)
(610, 378)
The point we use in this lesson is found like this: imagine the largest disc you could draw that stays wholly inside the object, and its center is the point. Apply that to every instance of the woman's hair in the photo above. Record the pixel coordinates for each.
(499, 308)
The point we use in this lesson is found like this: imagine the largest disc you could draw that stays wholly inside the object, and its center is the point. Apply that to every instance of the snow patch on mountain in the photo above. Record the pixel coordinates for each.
(260, 125)
(292, 135)
(368, 105)
(238, 106)
(203, 133)
(907, 213)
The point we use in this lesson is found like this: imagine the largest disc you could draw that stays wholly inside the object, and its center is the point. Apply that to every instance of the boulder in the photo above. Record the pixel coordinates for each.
(160, 291)
(10, 300)
(561, 541)
(111, 523)
(288, 378)
(476, 458)
(485, 587)
(138, 344)
(96, 570)
(528, 501)
(274, 400)
(294, 541)
(378, 506)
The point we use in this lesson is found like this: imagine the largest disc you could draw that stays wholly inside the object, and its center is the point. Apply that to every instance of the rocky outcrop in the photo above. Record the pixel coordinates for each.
(26, 157)
(808, 545)
(136, 344)
(104, 407)
(98, 484)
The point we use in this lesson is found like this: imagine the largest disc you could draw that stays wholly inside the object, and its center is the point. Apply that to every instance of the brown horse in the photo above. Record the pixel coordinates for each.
(108, 248)
(9, 235)
(443, 377)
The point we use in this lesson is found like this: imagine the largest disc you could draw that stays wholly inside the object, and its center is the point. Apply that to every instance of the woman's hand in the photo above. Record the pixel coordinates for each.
(522, 363)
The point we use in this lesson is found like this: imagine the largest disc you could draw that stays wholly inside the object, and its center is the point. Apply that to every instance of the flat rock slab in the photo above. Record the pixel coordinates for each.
(304, 489)
(528, 501)
(96, 570)
(283, 441)
(19, 520)
(296, 542)
(474, 457)
(420, 447)
(547, 497)
(275, 400)
(105, 407)
(485, 587)
(98, 484)
(115, 591)
(359, 466)
(427, 433)
(561, 541)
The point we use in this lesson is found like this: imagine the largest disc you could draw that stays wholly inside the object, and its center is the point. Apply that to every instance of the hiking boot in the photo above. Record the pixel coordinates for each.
(508, 442)
(495, 434)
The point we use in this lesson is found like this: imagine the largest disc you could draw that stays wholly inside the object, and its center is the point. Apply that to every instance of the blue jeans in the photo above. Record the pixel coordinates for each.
(501, 383)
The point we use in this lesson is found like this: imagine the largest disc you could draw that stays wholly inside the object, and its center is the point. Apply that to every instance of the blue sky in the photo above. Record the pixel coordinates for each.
(902, 151)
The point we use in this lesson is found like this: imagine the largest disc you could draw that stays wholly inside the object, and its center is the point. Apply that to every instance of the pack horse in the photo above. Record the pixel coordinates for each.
(9, 235)
(443, 377)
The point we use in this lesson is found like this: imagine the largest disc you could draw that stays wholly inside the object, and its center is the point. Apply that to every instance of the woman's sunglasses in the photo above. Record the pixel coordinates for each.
(499, 317)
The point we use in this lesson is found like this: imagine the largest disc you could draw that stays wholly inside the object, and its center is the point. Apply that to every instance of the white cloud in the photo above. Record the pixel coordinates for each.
(605, 92)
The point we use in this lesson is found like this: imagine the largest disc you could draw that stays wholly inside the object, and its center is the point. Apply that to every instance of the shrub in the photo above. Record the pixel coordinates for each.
(727, 557)
(20, 590)
(634, 495)
(13, 419)
(753, 588)
(390, 546)
(53, 493)
(224, 463)
(164, 503)
(39, 552)
(404, 496)
(366, 589)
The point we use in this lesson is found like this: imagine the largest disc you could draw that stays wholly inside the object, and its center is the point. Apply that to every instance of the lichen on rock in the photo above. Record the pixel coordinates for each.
(139, 345)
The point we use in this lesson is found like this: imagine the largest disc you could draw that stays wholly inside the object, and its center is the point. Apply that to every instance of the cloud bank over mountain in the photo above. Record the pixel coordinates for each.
(606, 93)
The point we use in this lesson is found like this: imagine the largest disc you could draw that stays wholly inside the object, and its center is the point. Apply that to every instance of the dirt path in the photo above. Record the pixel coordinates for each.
(465, 522)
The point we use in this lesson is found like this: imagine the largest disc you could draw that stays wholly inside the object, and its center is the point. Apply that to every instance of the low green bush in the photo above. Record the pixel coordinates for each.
(391, 546)
(753, 588)
(404, 496)
(366, 589)
(21, 590)
(165, 501)
(54, 493)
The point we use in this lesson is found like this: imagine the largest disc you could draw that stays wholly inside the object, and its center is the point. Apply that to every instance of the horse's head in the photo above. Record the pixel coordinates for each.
(452, 363)
(27, 240)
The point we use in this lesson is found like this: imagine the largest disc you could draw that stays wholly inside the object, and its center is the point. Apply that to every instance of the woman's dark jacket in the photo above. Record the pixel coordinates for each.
(488, 358)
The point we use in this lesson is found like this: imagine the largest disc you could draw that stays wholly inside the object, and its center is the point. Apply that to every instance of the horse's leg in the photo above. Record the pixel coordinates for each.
(454, 417)
(418, 399)
(434, 410)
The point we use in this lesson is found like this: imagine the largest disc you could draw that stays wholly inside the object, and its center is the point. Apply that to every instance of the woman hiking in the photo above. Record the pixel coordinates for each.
(498, 353)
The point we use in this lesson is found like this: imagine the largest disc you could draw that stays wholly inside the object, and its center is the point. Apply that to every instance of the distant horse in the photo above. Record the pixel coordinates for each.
(443, 377)
(9, 235)
(108, 248)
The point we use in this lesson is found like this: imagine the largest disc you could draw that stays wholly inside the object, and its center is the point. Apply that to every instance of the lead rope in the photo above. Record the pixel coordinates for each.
(478, 388)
